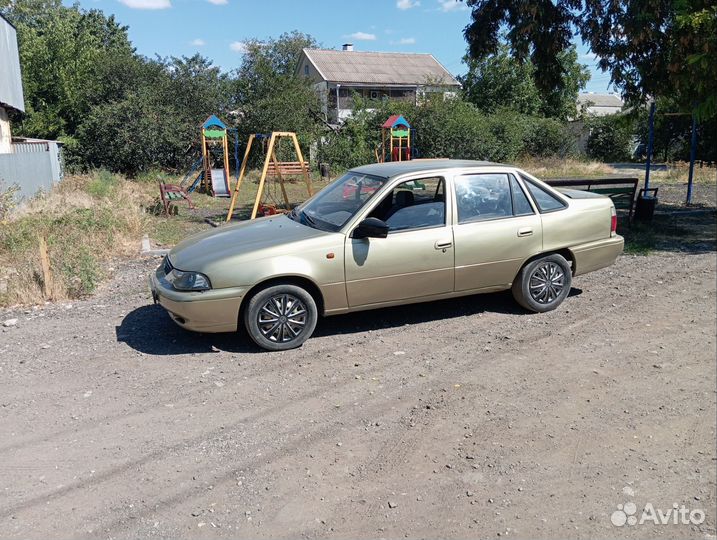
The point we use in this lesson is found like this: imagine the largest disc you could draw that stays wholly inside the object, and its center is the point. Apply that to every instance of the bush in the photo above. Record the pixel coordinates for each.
(548, 137)
(103, 184)
(448, 129)
(8, 198)
(610, 138)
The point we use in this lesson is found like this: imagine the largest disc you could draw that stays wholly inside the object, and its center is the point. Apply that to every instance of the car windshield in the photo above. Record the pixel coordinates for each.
(338, 202)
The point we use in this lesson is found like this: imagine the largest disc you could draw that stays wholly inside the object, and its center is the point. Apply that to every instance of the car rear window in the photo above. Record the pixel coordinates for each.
(546, 202)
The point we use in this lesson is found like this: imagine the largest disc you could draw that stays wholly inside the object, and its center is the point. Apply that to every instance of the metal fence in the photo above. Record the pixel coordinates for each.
(33, 166)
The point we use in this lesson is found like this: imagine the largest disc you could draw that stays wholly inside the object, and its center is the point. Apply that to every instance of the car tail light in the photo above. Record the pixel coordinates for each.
(613, 221)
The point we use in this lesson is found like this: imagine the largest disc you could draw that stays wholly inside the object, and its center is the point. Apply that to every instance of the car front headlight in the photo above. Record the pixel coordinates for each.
(188, 281)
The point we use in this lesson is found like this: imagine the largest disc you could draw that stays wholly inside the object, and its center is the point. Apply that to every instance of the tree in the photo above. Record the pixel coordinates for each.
(651, 48)
(267, 65)
(269, 94)
(154, 123)
(500, 81)
(62, 50)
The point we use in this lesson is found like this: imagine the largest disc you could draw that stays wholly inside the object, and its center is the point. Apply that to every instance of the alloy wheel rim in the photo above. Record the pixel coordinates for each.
(282, 318)
(547, 283)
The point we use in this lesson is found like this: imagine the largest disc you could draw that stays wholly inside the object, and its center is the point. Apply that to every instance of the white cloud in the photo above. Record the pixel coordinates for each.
(588, 56)
(407, 4)
(407, 41)
(362, 36)
(238, 47)
(218, 2)
(198, 42)
(452, 5)
(147, 4)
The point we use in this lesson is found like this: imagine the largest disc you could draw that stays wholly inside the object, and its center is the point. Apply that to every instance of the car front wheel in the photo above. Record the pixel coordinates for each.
(280, 317)
(543, 284)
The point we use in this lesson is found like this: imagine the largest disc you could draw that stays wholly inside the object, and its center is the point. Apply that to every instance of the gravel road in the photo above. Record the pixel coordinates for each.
(462, 419)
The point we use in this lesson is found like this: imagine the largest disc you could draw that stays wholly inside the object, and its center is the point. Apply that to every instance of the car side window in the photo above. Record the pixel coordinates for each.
(546, 201)
(415, 204)
(521, 206)
(481, 197)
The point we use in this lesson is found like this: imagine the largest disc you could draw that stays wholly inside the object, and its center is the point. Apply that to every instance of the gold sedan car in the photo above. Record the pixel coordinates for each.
(389, 234)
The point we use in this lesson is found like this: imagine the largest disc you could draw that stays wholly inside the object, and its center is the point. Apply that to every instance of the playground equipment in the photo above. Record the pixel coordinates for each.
(213, 178)
(397, 132)
(274, 169)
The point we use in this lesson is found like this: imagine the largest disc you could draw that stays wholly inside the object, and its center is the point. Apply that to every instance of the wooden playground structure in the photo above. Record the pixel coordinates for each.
(395, 140)
(215, 158)
(272, 169)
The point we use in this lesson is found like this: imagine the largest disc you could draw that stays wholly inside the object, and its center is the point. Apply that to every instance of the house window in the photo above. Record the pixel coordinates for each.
(306, 69)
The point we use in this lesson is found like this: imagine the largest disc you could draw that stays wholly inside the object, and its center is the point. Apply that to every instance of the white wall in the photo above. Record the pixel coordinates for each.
(5, 137)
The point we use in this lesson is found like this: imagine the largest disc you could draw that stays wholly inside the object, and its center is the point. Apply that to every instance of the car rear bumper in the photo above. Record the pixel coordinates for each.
(211, 311)
(597, 255)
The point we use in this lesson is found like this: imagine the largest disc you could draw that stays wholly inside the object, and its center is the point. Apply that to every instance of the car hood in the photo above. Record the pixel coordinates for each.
(200, 251)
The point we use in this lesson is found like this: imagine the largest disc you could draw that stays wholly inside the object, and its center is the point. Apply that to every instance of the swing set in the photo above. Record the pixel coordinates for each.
(273, 169)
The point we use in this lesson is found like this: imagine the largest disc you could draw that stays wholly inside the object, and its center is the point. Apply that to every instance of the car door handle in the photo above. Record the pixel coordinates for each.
(525, 231)
(443, 244)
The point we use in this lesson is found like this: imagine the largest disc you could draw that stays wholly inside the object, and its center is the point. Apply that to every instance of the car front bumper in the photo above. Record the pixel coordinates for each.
(215, 310)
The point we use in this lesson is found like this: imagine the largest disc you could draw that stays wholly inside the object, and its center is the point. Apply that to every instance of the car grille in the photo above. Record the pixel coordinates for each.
(167, 266)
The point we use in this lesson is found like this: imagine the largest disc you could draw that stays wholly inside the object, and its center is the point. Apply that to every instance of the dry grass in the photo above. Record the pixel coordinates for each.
(85, 221)
(558, 168)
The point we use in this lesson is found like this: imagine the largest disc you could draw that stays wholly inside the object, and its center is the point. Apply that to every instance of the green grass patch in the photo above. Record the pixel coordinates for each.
(103, 184)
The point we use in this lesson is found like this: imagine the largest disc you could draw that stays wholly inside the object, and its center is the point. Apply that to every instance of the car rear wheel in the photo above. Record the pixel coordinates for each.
(280, 317)
(543, 284)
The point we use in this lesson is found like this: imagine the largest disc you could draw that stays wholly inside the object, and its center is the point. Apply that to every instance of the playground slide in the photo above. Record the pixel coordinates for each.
(220, 186)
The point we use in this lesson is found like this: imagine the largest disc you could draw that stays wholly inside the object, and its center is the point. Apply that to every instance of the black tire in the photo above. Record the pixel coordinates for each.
(553, 273)
(280, 317)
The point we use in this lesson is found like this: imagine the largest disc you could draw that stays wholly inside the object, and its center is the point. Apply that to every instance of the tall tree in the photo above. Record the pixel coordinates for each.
(62, 50)
(270, 94)
(650, 48)
(501, 81)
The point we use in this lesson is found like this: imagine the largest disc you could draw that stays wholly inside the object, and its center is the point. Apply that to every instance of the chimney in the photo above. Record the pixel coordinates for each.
(347, 47)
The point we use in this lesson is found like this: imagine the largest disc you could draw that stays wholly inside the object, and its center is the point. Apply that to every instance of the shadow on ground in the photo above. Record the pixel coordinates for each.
(148, 329)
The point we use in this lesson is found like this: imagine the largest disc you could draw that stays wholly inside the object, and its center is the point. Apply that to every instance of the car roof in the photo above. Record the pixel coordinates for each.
(395, 168)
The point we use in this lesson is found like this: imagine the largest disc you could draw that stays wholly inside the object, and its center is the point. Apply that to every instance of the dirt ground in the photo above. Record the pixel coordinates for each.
(461, 419)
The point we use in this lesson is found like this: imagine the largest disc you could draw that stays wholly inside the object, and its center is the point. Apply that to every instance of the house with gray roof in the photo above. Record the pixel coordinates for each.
(338, 75)
(600, 104)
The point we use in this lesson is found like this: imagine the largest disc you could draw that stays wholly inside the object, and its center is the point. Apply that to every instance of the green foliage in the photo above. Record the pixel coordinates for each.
(270, 96)
(500, 81)
(448, 129)
(664, 47)
(103, 184)
(673, 130)
(8, 198)
(61, 51)
(610, 138)
(82, 272)
(548, 137)
(156, 124)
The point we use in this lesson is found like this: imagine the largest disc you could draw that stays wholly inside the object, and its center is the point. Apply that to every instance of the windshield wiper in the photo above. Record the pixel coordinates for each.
(309, 219)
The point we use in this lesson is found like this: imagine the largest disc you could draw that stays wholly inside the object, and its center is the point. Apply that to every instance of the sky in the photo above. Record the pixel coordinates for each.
(217, 28)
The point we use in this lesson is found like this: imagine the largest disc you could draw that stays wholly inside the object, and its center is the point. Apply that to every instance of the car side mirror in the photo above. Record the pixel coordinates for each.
(371, 228)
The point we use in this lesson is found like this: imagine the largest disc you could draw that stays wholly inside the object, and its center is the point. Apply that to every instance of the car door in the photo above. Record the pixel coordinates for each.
(416, 258)
(496, 228)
